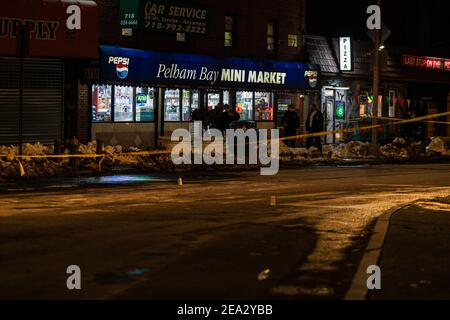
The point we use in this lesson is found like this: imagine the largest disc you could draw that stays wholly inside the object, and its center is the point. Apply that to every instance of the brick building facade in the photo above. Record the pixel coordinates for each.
(251, 18)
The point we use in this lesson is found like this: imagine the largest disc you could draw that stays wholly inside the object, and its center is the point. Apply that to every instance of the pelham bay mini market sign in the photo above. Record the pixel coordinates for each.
(132, 66)
(164, 16)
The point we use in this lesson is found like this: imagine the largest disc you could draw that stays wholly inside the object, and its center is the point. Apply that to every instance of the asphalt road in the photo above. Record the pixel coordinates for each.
(216, 237)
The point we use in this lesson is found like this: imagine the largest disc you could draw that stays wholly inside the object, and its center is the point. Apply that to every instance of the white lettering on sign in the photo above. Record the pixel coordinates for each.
(212, 76)
(266, 77)
(173, 72)
(233, 75)
(187, 13)
(345, 53)
(117, 60)
(152, 9)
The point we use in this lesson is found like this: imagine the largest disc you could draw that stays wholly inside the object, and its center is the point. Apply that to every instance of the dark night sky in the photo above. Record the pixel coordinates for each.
(418, 23)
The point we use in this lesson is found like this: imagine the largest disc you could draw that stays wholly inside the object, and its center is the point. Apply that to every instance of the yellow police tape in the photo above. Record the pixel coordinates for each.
(163, 152)
(376, 126)
(22, 171)
(399, 119)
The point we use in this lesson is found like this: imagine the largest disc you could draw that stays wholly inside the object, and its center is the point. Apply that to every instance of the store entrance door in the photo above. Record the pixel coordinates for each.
(328, 112)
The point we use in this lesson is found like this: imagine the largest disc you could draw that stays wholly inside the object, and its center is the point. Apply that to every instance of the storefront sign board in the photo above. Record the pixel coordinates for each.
(160, 68)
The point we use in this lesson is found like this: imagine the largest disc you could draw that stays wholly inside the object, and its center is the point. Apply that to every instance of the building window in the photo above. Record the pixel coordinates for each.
(172, 105)
(130, 104)
(181, 37)
(123, 104)
(263, 106)
(229, 30)
(244, 105)
(292, 40)
(101, 103)
(145, 104)
(271, 36)
(189, 103)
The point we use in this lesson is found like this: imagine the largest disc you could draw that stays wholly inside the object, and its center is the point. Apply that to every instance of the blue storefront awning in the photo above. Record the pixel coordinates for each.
(132, 66)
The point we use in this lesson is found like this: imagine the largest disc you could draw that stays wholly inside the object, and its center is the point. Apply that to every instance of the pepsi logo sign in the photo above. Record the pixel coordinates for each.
(312, 76)
(121, 64)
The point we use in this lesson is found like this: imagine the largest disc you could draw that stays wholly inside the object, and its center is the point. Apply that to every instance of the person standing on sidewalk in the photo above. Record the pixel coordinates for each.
(290, 122)
(314, 124)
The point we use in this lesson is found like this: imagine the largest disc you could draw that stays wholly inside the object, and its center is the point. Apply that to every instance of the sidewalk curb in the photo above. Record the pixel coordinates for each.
(358, 288)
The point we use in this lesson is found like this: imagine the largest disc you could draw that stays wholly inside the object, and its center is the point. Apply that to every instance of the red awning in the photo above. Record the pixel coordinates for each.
(49, 35)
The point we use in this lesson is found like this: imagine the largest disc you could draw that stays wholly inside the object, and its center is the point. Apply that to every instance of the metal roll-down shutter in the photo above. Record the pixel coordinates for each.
(42, 100)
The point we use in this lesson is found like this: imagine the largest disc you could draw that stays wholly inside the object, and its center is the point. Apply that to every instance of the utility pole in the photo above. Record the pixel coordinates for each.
(376, 82)
(21, 48)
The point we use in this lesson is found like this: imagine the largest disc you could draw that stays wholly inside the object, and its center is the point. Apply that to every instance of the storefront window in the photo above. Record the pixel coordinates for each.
(172, 105)
(263, 106)
(213, 100)
(226, 97)
(101, 103)
(244, 105)
(145, 106)
(195, 100)
(190, 103)
(123, 103)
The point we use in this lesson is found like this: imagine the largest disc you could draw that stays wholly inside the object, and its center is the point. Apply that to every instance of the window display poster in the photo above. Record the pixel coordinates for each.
(144, 104)
(244, 104)
(172, 105)
(101, 103)
(123, 103)
(264, 108)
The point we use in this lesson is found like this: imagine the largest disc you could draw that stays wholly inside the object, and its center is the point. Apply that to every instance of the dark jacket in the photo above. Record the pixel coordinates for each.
(230, 117)
(203, 115)
(317, 122)
(290, 120)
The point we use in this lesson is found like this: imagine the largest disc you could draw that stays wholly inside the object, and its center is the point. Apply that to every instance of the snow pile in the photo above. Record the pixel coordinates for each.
(9, 152)
(90, 148)
(134, 149)
(287, 153)
(48, 167)
(284, 149)
(358, 149)
(29, 149)
(115, 156)
(439, 145)
(400, 148)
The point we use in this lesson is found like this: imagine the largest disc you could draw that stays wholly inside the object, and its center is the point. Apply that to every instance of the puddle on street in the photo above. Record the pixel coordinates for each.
(110, 278)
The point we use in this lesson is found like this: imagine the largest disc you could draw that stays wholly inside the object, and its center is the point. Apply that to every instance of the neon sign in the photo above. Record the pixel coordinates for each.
(426, 62)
